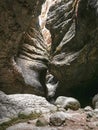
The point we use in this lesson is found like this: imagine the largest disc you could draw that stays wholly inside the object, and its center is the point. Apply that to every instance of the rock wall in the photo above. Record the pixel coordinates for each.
(19, 36)
(72, 60)
(74, 28)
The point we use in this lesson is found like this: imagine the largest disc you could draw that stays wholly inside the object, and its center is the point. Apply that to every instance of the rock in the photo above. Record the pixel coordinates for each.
(42, 122)
(57, 119)
(72, 59)
(71, 120)
(25, 126)
(79, 129)
(67, 103)
(13, 105)
(90, 114)
(74, 48)
(88, 108)
(23, 52)
(96, 113)
(95, 101)
(52, 84)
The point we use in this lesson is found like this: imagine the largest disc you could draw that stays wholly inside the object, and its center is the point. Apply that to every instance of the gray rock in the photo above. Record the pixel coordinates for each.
(96, 112)
(52, 84)
(23, 51)
(13, 105)
(88, 108)
(90, 114)
(74, 48)
(57, 119)
(42, 122)
(25, 126)
(68, 103)
(95, 101)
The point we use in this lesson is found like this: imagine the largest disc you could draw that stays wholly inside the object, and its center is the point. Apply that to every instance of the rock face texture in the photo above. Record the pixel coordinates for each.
(67, 102)
(13, 105)
(28, 111)
(74, 30)
(72, 60)
(69, 120)
(23, 54)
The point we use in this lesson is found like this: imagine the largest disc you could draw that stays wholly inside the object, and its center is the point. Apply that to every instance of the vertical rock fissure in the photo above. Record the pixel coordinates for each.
(42, 22)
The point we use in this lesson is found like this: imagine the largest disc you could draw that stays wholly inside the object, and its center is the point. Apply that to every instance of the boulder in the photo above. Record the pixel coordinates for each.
(11, 106)
(67, 103)
(57, 119)
(42, 122)
(95, 101)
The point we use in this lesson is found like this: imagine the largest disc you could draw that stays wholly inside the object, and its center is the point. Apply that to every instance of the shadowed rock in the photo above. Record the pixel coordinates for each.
(24, 58)
(23, 54)
(67, 103)
(74, 28)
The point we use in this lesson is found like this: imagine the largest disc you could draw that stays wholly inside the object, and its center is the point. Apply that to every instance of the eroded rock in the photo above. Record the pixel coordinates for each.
(13, 105)
(42, 122)
(23, 54)
(73, 26)
(95, 101)
(57, 119)
(67, 103)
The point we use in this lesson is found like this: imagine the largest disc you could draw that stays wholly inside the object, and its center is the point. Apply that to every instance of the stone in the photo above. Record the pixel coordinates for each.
(95, 101)
(23, 52)
(74, 48)
(88, 108)
(90, 114)
(96, 113)
(25, 126)
(52, 84)
(57, 119)
(42, 122)
(72, 58)
(11, 106)
(67, 103)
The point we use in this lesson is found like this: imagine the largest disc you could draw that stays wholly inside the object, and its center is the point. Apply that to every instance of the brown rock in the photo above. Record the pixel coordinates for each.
(74, 48)
(23, 54)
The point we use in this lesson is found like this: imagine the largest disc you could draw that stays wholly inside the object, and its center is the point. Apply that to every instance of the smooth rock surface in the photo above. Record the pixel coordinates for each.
(67, 103)
(25, 126)
(95, 101)
(73, 26)
(57, 119)
(42, 122)
(88, 108)
(13, 105)
(52, 84)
